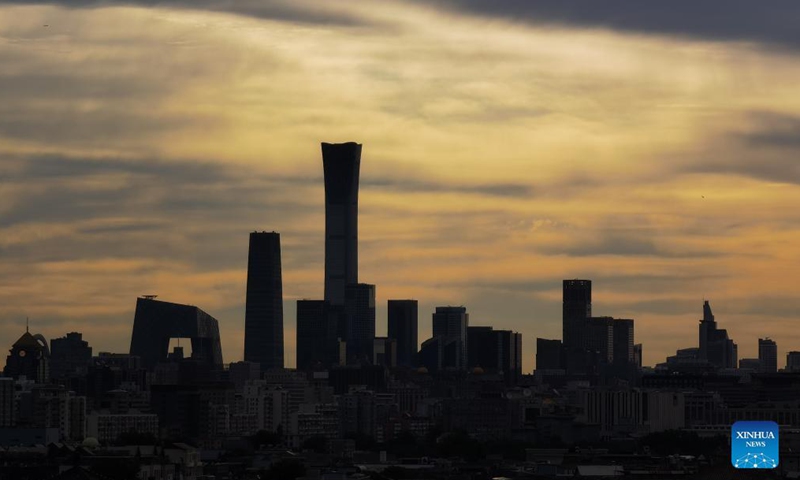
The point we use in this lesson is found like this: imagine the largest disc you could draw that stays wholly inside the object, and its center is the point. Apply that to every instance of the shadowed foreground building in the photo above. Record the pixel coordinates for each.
(793, 361)
(69, 354)
(452, 323)
(497, 351)
(156, 322)
(715, 346)
(403, 320)
(317, 341)
(29, 357)
(549, 355)
(263, 323)
(768, 355)
(359, 328)
(341, 163)
(576, 311)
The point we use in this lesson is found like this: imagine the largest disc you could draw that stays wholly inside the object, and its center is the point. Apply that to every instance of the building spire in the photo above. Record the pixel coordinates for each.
(27, 323)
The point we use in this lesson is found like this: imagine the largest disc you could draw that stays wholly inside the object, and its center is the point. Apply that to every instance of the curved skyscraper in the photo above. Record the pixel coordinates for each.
(341, 163)
(263, 318)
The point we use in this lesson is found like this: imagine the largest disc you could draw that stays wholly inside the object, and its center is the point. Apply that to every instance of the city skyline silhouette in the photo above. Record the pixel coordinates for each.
(653, 157)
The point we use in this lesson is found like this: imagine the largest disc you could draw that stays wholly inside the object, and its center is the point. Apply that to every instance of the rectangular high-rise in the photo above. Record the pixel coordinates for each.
(793, 361)
(768, 355)
(453, 322)
(623, 353)
(263, 321)
(359, 331)
(341, 163)
(496, 351)
(384, 352)
(600, 339)
(549, 354)
(317, 342)
(403, 320)
(68, 355)
(576, 308)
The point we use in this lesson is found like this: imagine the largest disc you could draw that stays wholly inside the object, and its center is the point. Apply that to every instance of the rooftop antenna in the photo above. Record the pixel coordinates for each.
(27, 324)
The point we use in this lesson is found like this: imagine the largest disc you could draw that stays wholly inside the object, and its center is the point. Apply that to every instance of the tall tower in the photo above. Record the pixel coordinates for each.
(341, 163)
(403, 319)
(263, 320)
(577, 307)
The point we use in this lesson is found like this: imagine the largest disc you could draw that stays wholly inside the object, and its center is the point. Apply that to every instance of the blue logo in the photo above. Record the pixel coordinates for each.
(754, 445)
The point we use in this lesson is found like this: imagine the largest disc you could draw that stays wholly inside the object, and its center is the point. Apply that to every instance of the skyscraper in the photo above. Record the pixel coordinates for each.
(495, 351)
(707, 328)
(637, 355)
(715, 346)
(623, 353)
(384, 352)
(600, 339)
(341, 163)
(263, 321)
(360, 321)
(156, 322)
(452, 322)
(403, 316)
(576, 308)
(793, 361)
(768, 355)
(317, 342)
(549, 354)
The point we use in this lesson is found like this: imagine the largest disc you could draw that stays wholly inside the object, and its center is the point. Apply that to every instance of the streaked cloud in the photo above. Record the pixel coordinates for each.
(140, 142)
(736, 20)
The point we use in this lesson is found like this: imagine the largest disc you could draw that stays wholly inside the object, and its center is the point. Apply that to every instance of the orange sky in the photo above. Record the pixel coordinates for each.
(140, 145)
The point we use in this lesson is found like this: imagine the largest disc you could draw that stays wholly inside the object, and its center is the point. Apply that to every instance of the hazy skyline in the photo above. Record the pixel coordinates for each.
(651, 151)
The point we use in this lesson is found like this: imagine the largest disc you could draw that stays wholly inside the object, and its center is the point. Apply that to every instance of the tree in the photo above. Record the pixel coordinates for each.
(286, 469)
(264, 437)
(671, 442)
(397, 473)
(116, 469)
(459, 444)
(132, 437)
(317, 444)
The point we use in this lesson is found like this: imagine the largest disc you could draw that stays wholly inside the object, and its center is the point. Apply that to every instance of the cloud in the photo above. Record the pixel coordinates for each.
(774, 130)
(282, 10)
(737, 20)
(418, 185)
(763, 146)
(141, 145)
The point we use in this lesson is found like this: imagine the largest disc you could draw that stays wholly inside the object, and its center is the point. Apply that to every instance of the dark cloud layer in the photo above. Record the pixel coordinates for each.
(774, 130)
(410, 185)
(768, 146)
(730, 20)
(277, 10)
